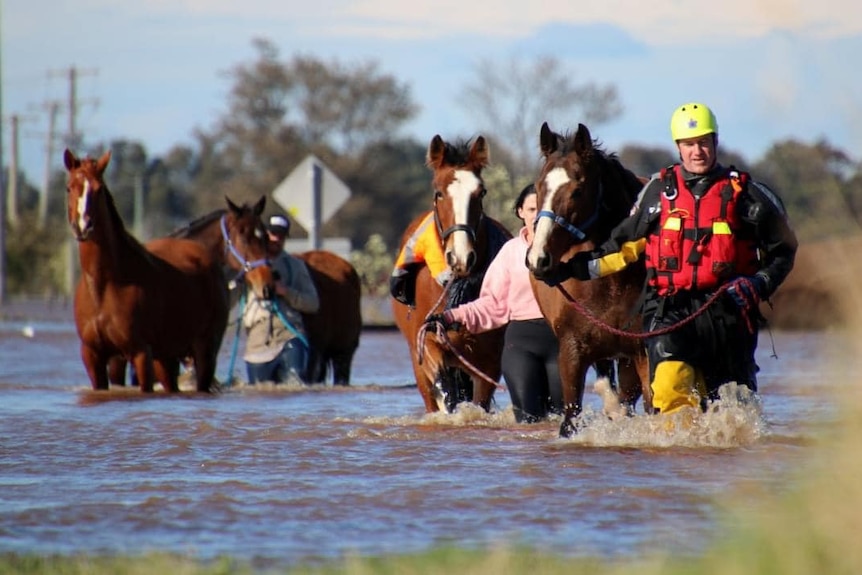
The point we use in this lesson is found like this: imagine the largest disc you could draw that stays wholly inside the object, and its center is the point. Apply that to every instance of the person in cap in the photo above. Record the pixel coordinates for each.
(700, 227)
(276, 347)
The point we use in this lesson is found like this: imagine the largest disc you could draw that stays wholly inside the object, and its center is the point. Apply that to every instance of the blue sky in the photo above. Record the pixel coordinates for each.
(153, 70)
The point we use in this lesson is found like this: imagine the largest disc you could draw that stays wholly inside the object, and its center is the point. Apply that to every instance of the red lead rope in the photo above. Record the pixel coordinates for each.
(443, 339)
(643, 335)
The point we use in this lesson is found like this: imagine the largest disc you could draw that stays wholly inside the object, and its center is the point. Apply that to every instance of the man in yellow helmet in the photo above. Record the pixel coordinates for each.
(700, 227)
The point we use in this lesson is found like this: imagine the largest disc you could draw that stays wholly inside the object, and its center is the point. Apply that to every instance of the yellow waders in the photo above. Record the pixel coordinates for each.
(676, 385)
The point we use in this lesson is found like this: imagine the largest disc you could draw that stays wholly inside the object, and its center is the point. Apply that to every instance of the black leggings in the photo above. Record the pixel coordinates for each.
(531, 371)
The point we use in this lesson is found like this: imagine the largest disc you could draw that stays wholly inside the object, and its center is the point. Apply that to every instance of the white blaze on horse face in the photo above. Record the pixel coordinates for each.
(82, 206)
(554, 181)
(461, 191)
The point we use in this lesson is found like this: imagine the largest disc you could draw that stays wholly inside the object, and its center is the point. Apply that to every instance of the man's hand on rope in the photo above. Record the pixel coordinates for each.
(747, 291)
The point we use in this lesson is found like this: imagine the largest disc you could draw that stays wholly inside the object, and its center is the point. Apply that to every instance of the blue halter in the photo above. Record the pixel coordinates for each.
(579, 232)
(247, 266)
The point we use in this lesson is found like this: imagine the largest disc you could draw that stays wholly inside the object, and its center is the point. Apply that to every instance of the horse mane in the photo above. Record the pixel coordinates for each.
(631, 183)
(190, 229)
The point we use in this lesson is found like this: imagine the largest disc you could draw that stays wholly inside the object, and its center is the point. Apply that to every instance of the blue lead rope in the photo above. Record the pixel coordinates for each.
(278, 313)
(229, 380)
(289, 325)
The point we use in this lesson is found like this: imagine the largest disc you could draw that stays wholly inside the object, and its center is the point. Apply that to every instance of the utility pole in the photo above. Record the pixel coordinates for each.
(12, 186)
(53, 110)
(73, 139)
(73, 142)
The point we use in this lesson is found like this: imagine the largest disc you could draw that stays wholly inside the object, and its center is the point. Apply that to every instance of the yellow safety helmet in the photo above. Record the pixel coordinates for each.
(691, 121)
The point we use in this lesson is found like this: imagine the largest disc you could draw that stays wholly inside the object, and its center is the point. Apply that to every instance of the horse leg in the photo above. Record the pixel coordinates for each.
(573, 373)
(605, 368)
(483, 392)
(167, 371)
(205, 364)
(456, 387)
(641, 362)
(630, 388)
(117, 370)
(96, 365)
(425, 384)
(142, 361)
(341, 363)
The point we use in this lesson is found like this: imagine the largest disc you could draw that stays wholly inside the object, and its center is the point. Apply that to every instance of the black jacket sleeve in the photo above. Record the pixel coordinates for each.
(763, 212)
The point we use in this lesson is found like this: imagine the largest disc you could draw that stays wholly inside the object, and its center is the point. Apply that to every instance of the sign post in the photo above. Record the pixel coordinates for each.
(311, 194)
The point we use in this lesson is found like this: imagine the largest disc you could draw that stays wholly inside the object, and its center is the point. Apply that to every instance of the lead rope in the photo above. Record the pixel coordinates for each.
(643, 335)
(235, 348)
(443, 339)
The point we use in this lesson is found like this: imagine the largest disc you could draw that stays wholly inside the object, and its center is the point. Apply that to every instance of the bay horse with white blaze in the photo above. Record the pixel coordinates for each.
(134, 303)
(469, 240)
(582, 194)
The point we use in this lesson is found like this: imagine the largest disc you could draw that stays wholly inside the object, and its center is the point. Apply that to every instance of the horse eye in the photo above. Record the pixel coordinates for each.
(482, 192)
(438, 195)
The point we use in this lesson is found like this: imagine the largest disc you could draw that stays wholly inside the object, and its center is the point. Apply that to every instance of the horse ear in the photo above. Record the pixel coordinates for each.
(70, 160)
(102, 163)
(480, 153)
(233, 207)
(548, 140)
(583, 140)
(259, 206)
(436, 149)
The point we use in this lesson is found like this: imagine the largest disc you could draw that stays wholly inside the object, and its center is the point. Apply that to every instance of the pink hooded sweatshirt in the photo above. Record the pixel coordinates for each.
(506, 293)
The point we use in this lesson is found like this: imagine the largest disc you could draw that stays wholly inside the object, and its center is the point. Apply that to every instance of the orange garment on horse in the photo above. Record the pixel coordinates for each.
(423, 247)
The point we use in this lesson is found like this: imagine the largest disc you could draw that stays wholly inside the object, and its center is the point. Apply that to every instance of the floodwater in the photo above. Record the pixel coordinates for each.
(290, 475)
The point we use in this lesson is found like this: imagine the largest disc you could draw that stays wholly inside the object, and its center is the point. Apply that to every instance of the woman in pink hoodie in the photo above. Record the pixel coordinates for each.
(530, 353)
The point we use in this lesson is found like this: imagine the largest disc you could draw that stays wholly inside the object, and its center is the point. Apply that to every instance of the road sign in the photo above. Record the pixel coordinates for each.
(297, 194)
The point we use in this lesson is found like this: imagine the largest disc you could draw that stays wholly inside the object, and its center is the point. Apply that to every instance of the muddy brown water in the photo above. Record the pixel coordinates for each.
(289, 475)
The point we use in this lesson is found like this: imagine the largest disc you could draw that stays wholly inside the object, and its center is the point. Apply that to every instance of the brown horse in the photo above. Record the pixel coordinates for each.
(469, 240)
(133, 302)
(582, 193)
(333, 332)
(235, 238)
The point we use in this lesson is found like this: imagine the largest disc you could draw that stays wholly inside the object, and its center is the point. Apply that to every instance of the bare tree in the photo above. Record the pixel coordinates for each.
(513, 98)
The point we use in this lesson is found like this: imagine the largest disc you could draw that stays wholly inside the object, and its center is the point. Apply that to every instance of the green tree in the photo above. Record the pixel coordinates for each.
(374, 265)
(279, 112)
(815, 181)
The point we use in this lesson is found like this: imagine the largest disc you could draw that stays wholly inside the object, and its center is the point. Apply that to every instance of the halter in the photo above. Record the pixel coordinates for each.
(457, 227)
(579, 232)
(247, 266)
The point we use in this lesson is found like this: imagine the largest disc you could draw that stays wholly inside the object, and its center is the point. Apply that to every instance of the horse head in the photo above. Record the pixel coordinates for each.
(458, 193)
(245, 241)
(571, 192)
(84, 187)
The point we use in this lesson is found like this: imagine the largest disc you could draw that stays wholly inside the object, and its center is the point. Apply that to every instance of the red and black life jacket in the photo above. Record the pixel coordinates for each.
(699, 245)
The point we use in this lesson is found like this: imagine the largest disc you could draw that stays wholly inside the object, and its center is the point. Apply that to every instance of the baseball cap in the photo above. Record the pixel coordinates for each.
(279, 225)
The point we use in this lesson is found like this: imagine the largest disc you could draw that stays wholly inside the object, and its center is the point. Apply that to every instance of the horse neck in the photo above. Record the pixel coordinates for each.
(483, 258)
(209, 234)
(111, 250)
(618, 198)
